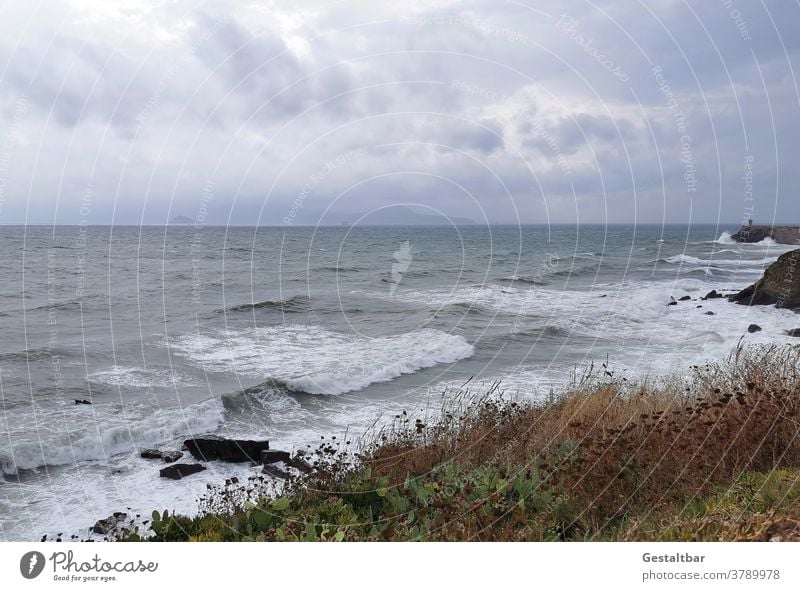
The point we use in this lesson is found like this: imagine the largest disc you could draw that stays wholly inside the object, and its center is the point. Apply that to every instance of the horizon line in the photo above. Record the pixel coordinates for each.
(378, 225)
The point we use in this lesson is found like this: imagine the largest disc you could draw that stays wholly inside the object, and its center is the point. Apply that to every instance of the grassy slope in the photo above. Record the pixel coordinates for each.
(711, 457)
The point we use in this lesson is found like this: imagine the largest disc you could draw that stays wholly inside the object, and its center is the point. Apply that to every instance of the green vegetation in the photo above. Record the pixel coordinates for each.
(714, 456)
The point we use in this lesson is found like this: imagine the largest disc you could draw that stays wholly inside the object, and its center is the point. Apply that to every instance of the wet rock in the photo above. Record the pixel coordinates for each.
(794, 332)
(270, 456)
(170, 456)
(212, 447)
(276, 472)
(178, 471)
(754, 328)
(713, 294)
(780, 284)
(672, 302)
(109, 524)
(300, 464)
(685, 298)
(79, 401)
(709, 313)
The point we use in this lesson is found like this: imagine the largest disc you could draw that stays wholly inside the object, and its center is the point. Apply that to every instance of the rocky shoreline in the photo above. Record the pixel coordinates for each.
(779, 286)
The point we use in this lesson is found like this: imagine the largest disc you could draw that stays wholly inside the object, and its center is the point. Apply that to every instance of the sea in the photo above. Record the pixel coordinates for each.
(294, 334)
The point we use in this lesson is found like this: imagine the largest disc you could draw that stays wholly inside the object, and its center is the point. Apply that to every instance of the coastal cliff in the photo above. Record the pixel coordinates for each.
(780, 284)
(758, 232)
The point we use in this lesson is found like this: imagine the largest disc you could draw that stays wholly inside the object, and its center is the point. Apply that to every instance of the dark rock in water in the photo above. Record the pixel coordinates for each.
(178, 471)
(709, 313)
(780, 284)
(212, 447)
(754, 328)
(672, 302)
(78, 401)
(685, 298)
(758, 232)
(794, 332)
(700, 306)
(300, 464)
(270, 456)
(276, 472)
(712, 295)
(170, 456)
(109, 524)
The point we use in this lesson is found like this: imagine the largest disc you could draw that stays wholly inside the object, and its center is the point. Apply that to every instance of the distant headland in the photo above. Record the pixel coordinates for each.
(751, 232)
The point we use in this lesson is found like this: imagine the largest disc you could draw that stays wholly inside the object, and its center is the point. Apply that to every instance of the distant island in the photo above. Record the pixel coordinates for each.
(181, 220)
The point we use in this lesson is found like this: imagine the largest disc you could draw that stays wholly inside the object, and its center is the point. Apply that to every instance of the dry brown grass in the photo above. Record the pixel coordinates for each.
(713, 456)
(634, 444)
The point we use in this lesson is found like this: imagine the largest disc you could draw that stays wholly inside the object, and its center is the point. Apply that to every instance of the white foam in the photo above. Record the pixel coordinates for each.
(137, 377)
(63, 439)
(319, 361)
(725, 238)
(684, 259)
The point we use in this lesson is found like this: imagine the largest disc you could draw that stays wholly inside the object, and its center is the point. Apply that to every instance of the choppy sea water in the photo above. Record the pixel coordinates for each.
(291, 333)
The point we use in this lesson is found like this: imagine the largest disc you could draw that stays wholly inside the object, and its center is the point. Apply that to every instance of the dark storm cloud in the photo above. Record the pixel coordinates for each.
(565, 110)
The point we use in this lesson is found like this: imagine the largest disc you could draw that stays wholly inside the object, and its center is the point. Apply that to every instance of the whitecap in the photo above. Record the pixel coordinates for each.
(319, 361)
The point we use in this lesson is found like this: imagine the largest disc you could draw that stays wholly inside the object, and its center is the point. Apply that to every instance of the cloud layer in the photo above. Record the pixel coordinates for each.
(309, 112)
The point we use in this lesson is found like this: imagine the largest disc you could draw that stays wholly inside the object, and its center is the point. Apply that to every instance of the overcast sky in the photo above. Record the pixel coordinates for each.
(307, 111)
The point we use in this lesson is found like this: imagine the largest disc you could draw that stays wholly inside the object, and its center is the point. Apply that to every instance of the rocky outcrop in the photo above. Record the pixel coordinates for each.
(780, 284)
(212, 447)
(109, 524)
(297, 462)
(178, 471)
(170, 456)
(272, 456)
(757, 233)
(167, 455)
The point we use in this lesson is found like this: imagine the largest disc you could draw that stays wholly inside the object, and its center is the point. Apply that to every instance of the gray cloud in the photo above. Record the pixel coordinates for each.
(571, 110)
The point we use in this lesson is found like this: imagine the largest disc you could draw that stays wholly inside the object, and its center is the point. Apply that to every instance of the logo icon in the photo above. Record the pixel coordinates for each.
(31, 564)
(403, 258)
